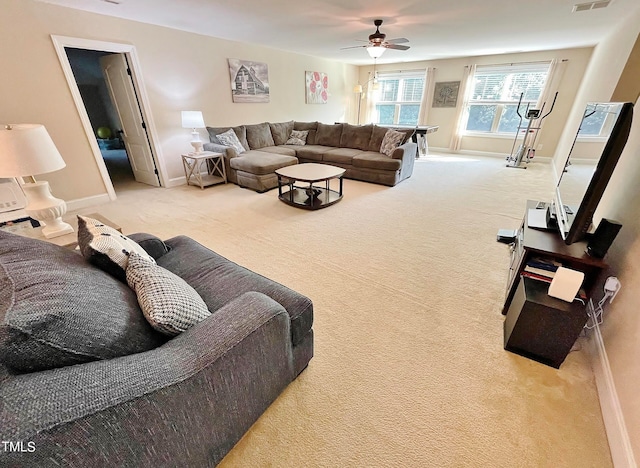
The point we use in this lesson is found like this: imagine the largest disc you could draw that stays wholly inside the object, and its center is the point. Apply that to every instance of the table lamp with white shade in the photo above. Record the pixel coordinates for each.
(193, 120)
(27, 150)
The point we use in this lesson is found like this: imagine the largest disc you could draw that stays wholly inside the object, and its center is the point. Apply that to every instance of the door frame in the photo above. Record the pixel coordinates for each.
(60, 42)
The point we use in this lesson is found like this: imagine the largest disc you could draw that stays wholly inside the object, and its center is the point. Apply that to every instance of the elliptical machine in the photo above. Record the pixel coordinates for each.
(526, 151)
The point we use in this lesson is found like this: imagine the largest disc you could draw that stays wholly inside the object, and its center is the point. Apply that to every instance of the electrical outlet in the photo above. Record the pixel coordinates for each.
(612, 286)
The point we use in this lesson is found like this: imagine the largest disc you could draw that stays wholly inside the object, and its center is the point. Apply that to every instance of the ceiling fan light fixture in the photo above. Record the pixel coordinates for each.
(375, 51)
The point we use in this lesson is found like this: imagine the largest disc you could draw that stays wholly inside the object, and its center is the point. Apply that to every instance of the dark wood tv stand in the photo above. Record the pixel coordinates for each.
(537, 325)
(548, 244)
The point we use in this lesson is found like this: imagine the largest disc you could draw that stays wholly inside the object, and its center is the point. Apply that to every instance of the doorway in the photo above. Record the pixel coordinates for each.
(104, 79)
(105, 122)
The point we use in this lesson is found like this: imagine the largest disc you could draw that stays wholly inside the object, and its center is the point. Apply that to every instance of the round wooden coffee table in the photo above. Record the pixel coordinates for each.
(309, 197)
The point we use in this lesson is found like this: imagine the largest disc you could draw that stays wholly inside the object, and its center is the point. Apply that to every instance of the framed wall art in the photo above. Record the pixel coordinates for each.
(446, 94)
(317, 87)
(249, 81)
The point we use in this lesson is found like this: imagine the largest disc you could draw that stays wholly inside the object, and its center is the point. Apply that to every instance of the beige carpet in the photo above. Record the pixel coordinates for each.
(407, 284)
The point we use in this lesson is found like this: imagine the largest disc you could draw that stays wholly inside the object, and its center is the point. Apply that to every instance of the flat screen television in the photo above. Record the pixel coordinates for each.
(587, 171)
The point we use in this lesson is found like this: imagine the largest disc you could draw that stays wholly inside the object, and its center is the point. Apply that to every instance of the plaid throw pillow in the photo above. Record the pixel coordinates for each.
(168, 303)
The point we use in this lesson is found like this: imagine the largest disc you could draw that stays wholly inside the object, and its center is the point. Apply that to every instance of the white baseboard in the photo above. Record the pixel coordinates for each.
(80, 203)
(486, 154)
(177, 181)
(615, 427)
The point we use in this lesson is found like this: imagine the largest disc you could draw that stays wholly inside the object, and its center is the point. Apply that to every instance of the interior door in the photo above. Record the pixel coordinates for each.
(134, 134)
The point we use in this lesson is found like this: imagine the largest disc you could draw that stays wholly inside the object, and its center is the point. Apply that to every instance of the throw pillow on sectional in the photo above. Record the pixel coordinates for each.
(229, 138)
(105, 247)
(298, 137)
(168, 303)
(391, 141)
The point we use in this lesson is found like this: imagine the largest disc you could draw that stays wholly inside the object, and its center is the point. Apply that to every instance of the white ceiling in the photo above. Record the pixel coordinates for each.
(435, 28)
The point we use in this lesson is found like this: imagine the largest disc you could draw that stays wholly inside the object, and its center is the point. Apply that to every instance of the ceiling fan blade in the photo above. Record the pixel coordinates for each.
(398, 40)
(353, 47)
(396, 46)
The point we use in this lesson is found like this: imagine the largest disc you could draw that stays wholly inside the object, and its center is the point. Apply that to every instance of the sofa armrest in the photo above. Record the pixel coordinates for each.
(407, 153)
(153, 245)
(228, 151)
(191, 399)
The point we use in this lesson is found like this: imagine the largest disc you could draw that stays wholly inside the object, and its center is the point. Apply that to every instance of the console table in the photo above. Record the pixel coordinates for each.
(538, 326)
(421, 130)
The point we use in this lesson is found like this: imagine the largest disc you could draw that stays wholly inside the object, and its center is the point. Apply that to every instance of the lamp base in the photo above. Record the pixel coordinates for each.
(196, 142)
(47, 209)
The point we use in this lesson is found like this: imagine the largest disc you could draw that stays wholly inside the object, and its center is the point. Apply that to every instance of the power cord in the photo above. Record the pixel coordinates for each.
(611, 287)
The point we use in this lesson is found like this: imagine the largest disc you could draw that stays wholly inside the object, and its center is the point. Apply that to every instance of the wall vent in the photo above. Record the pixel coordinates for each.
(591, 5)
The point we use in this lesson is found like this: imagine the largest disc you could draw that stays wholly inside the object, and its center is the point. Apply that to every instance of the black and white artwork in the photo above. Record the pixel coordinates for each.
(446, 94)
(249, 81)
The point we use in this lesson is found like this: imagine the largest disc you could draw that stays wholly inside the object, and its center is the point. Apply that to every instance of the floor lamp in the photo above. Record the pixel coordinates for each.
(27, 150)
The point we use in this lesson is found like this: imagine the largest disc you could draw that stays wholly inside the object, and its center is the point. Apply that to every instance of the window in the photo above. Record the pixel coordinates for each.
(399, 98)
(598, 120)
(496, 91)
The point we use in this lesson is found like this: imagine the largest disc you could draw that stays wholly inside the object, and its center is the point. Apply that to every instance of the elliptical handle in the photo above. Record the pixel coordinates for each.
(552, 104)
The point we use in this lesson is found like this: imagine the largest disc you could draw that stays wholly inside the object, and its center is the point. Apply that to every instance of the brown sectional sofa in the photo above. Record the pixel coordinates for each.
(355, 148)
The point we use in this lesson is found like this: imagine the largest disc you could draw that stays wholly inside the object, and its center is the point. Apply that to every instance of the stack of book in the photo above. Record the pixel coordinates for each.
(541, 269)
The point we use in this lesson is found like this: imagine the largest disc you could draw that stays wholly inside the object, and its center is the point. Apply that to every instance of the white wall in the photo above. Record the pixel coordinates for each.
(182, 71)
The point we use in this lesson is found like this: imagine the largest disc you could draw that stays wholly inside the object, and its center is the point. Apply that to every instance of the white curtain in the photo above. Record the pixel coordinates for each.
(466, 90)
(370, 98)
(554, 76)
(427, 95)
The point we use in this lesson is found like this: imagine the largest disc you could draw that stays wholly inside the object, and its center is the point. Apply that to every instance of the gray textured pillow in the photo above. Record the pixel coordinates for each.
(105, 247)
(56, 309)
(240, 131)
(259, 136)
(280, 132)
(168, 303)
(229, 138)
(298, 137)
(391, 141)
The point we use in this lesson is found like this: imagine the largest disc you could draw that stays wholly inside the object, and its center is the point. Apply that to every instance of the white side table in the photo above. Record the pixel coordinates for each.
(213, 173)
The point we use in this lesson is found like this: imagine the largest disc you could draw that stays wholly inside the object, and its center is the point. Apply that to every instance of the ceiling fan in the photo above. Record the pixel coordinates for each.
(377, 43)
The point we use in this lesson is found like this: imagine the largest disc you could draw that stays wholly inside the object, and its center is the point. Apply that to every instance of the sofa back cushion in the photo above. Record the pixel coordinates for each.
(329, 135)
(281, 132)
(56, 309)
(356, 136)
(259, 136)
(240, 131)
(312, 127)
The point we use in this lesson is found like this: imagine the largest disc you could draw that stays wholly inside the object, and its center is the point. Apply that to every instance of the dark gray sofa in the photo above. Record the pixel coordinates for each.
(356, 148)
(85, 381)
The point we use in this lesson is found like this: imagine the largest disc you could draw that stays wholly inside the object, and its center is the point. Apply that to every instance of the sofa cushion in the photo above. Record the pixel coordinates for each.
(168, 303)
(329, 135)
(259, 136)
(56, 309)
(377, 135)
(312, 152)
(218, 281)
(356, 136)
(391, 141)
(281, 131)
(311, 127)
(230, 139)
(287, 151)
(105, 247)
(240, 131)
(373, 160)
(298, 137)
(261, 162)
(340, 155)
